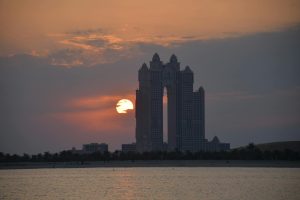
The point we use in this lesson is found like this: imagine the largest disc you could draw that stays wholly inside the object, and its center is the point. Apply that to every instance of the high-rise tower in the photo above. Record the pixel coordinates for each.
(186, 130)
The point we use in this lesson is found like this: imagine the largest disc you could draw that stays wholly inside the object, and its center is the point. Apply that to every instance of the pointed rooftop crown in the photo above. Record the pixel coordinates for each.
(155, 57)
(144, 67)
(173, 59)
(215, 139)
(187, 69)
(201, 89)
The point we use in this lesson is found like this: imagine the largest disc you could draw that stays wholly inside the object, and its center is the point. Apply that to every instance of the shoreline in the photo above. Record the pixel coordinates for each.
(152, 163)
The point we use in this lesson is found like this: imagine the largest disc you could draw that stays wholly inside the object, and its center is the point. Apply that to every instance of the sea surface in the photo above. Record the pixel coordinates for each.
(164, 183)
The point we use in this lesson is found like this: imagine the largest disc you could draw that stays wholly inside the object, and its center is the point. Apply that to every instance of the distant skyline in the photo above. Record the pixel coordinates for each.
(64, 65)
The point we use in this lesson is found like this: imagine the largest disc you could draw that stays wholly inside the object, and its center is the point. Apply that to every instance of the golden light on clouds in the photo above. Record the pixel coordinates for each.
(29, 26)
(123, 105)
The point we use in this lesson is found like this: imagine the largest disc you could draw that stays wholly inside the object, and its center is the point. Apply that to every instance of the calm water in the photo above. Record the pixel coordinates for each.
(151, 183)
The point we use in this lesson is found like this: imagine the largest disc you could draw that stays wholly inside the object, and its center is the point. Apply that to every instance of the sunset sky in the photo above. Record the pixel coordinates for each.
(64, 64)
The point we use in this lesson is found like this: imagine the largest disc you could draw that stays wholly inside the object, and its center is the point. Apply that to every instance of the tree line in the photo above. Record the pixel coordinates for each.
(251, 152)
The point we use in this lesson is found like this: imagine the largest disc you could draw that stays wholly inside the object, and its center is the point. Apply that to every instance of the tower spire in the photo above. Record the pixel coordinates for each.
(155, 57)
(173, 59)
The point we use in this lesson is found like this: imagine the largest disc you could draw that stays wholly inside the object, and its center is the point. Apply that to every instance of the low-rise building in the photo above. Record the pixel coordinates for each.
(95, 147)
(215, 145)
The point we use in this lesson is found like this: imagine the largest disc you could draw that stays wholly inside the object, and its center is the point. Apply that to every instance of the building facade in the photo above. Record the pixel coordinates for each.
(186, 125)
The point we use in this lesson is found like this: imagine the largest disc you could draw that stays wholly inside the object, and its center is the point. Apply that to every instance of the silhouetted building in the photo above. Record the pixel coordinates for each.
(94, 147)
(186, 114)
(76, 151)
(185, 107)
(216, 145)
(129, 147)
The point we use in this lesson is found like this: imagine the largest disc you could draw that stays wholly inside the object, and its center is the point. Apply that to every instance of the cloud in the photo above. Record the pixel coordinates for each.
(72, 36)
(88, 48)
(130, 22)
(96, 46)
(92, 47)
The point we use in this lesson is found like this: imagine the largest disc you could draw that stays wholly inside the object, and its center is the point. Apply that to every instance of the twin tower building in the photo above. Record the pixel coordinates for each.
(185, 107)
(186, 113)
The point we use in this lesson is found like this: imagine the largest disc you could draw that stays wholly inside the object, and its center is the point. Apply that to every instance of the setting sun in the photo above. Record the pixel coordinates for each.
(123, 105)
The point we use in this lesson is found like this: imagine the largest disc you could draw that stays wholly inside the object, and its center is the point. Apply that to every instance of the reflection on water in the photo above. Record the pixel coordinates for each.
(151, 183)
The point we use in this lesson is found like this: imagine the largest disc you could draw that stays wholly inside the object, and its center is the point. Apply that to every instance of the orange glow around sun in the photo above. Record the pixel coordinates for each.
(96, 114)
